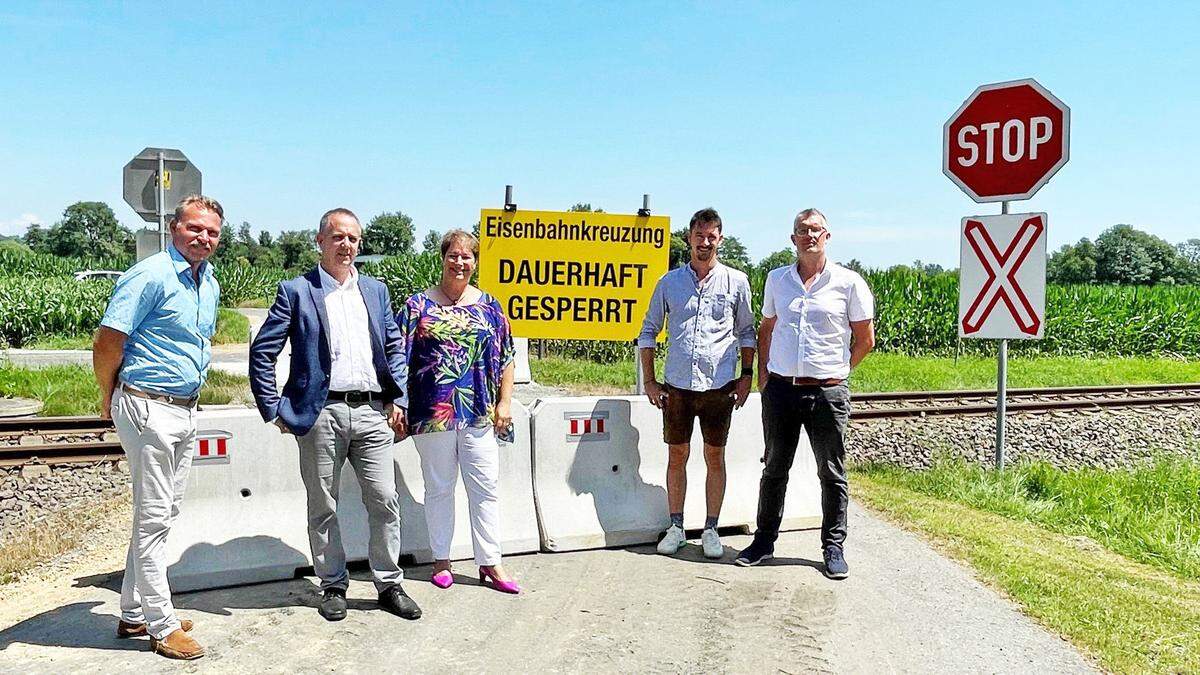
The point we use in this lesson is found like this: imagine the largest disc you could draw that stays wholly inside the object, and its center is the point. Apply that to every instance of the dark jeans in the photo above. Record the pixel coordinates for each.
(822, 412)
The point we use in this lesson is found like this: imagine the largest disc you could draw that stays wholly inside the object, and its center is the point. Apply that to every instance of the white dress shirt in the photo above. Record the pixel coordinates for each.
(811, 337)
(352, 363)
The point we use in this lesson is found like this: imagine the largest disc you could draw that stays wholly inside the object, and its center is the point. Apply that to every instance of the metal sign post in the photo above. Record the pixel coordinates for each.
(639, 386)
(1001, 386)
(160, 202)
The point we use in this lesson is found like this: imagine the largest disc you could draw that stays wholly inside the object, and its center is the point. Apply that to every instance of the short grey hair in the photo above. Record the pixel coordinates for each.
(339, 211)
(200, 202)
(806, 214)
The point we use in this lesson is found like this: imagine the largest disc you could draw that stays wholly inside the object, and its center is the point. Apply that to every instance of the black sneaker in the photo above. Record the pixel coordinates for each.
(755, 553)
(396, 601)
(835, 563)
(333, 605)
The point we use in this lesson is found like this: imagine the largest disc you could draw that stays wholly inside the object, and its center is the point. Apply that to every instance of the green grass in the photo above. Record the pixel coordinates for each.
(60, 342)
(1129, 616)
(232, 328)
(72, 390)
(894, 372)
(1150, 513)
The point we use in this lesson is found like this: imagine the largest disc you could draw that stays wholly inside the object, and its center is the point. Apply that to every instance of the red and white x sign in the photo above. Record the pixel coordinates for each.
(1002, 276)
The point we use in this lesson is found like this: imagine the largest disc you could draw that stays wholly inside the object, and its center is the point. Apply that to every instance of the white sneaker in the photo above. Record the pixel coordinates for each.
(712, 544)
(672, 541)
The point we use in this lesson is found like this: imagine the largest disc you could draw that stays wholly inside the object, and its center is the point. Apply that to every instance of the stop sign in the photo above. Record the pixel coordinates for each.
(1006, 140)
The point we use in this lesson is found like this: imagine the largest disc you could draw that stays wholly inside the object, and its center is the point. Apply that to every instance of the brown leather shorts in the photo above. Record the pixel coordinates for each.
(714, 408)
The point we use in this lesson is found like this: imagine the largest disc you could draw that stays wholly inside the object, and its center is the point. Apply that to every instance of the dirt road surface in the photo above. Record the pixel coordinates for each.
(904, 609)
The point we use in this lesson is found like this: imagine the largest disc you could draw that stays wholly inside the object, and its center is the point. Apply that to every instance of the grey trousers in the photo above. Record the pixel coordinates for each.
(359, 433)
(158, 439)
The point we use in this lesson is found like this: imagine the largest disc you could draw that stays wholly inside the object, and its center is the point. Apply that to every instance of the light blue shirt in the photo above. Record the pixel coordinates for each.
(707, 325)
(170, 322)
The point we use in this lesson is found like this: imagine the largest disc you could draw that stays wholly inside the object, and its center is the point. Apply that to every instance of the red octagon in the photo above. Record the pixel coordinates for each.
(1006, 140)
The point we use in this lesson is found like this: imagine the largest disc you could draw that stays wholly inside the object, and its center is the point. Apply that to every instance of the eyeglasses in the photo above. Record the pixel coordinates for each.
(812, 232)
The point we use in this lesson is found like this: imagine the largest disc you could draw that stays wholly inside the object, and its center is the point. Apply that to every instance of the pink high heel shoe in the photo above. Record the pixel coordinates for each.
(486, 573)
(443, 579)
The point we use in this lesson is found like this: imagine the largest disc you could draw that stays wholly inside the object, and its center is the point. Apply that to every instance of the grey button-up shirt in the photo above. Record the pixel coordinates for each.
(707, 325)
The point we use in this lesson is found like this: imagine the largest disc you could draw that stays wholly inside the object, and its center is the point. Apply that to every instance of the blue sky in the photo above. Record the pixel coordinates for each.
(757, 109)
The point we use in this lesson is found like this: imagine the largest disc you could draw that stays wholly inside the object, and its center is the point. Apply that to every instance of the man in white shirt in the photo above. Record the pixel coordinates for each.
(344, 401)
(818, 324)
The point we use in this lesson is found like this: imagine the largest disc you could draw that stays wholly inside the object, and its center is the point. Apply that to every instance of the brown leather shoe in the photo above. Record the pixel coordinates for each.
(129, 630)
(177, 645)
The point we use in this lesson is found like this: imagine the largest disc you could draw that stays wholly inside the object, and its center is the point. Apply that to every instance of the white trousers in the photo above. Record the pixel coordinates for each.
(158, 439)
(474, 452)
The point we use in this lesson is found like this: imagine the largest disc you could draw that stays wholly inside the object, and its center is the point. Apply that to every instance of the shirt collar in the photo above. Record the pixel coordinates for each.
(329, 284)
(181, 264)
(696, 277)
(825, 272)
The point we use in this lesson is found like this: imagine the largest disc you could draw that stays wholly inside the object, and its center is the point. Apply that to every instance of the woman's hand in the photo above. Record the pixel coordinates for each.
(502, 417)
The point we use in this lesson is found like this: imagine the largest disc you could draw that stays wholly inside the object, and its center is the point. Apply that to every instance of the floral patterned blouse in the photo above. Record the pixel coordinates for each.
(456, 356)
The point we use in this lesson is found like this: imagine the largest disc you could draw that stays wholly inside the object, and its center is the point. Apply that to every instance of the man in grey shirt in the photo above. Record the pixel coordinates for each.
(706, 308)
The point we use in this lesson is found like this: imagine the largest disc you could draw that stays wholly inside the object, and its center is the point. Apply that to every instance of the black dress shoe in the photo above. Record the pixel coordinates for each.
(396, 601)
(333, 605)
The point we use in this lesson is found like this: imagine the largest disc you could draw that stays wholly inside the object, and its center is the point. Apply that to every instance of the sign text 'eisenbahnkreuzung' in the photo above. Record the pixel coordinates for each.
(579, 275)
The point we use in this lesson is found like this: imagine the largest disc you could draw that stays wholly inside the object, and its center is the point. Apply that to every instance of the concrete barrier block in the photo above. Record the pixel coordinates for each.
(599, 468)
(521, 373)
(519, 531)
(242, 519)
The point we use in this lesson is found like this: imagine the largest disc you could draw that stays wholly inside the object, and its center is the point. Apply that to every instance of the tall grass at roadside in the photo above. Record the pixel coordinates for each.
(1150, 513)
(1129, 616)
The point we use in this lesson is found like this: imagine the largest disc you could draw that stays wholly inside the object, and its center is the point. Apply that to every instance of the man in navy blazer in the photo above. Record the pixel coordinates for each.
(344, 400)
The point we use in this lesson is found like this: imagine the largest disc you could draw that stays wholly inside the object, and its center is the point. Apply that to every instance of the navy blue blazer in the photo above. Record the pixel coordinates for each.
(299, 315)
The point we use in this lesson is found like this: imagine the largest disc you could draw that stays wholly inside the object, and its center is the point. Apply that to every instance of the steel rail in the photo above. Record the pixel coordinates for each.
(1036, 391)
(1024, 406)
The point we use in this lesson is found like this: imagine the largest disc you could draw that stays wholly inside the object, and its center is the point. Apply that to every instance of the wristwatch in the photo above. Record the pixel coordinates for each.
(747, 371)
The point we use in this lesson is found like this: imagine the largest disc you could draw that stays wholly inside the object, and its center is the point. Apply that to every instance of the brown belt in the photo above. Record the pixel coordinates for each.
(808, 381)
(182, 402)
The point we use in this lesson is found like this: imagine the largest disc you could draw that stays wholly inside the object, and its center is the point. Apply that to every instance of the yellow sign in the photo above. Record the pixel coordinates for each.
(578, 275)
(166, 180)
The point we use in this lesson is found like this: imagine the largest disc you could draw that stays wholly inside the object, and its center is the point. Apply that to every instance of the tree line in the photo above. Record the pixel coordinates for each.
(91, 230)
(1121, 254)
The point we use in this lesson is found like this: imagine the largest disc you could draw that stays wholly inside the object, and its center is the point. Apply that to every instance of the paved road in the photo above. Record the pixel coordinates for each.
(905, 609)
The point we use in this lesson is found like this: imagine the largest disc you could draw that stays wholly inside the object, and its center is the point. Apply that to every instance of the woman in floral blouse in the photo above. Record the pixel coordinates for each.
(460, 360)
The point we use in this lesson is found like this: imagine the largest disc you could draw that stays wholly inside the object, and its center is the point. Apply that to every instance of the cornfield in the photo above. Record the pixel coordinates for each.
(50, 306)
(241, 283)
(15, 264)
(915, 312)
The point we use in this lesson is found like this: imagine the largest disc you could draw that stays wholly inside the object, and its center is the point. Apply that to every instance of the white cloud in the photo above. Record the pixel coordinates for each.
(17, 226)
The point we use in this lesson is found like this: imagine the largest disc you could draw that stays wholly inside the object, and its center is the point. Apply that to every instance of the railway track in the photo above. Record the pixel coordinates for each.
(74, 440)
(57, 440)
(899, 404)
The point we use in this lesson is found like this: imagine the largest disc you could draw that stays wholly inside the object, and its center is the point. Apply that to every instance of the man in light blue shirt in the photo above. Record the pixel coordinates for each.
(706, 309)
(151, 356)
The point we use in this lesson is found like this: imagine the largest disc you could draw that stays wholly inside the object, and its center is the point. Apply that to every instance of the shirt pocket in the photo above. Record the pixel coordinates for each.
(719, 306)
